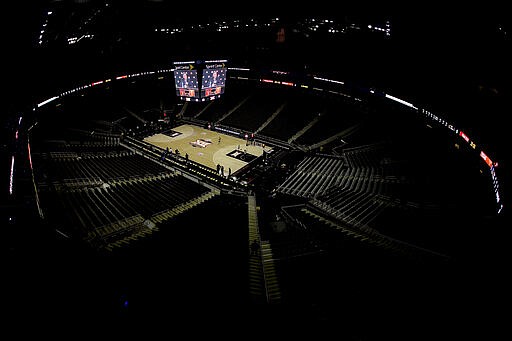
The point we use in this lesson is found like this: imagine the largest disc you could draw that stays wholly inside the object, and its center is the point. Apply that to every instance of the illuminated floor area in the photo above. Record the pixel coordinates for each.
(211, 147)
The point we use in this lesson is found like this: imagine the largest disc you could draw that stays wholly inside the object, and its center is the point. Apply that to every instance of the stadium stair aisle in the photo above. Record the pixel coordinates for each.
(342, 134)
(168, 214)
(203, 110)
(256, 276)
(263, 280)
(271, 118)
(122, 232)
(304, 129)
(183, 109)
(226, 115)
(269, 269)
(371, 236)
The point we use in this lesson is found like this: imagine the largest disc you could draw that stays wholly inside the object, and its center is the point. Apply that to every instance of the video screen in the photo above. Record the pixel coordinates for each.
(214, 81)
(186, 83)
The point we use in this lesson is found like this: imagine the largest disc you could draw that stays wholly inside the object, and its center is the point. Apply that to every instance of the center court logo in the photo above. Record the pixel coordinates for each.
(202, 143)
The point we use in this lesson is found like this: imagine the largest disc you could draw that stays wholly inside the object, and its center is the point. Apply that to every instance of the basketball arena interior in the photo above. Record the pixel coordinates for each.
(349, 174)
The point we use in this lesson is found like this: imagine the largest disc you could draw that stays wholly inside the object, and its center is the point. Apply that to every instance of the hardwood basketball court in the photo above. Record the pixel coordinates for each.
(208, 147)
